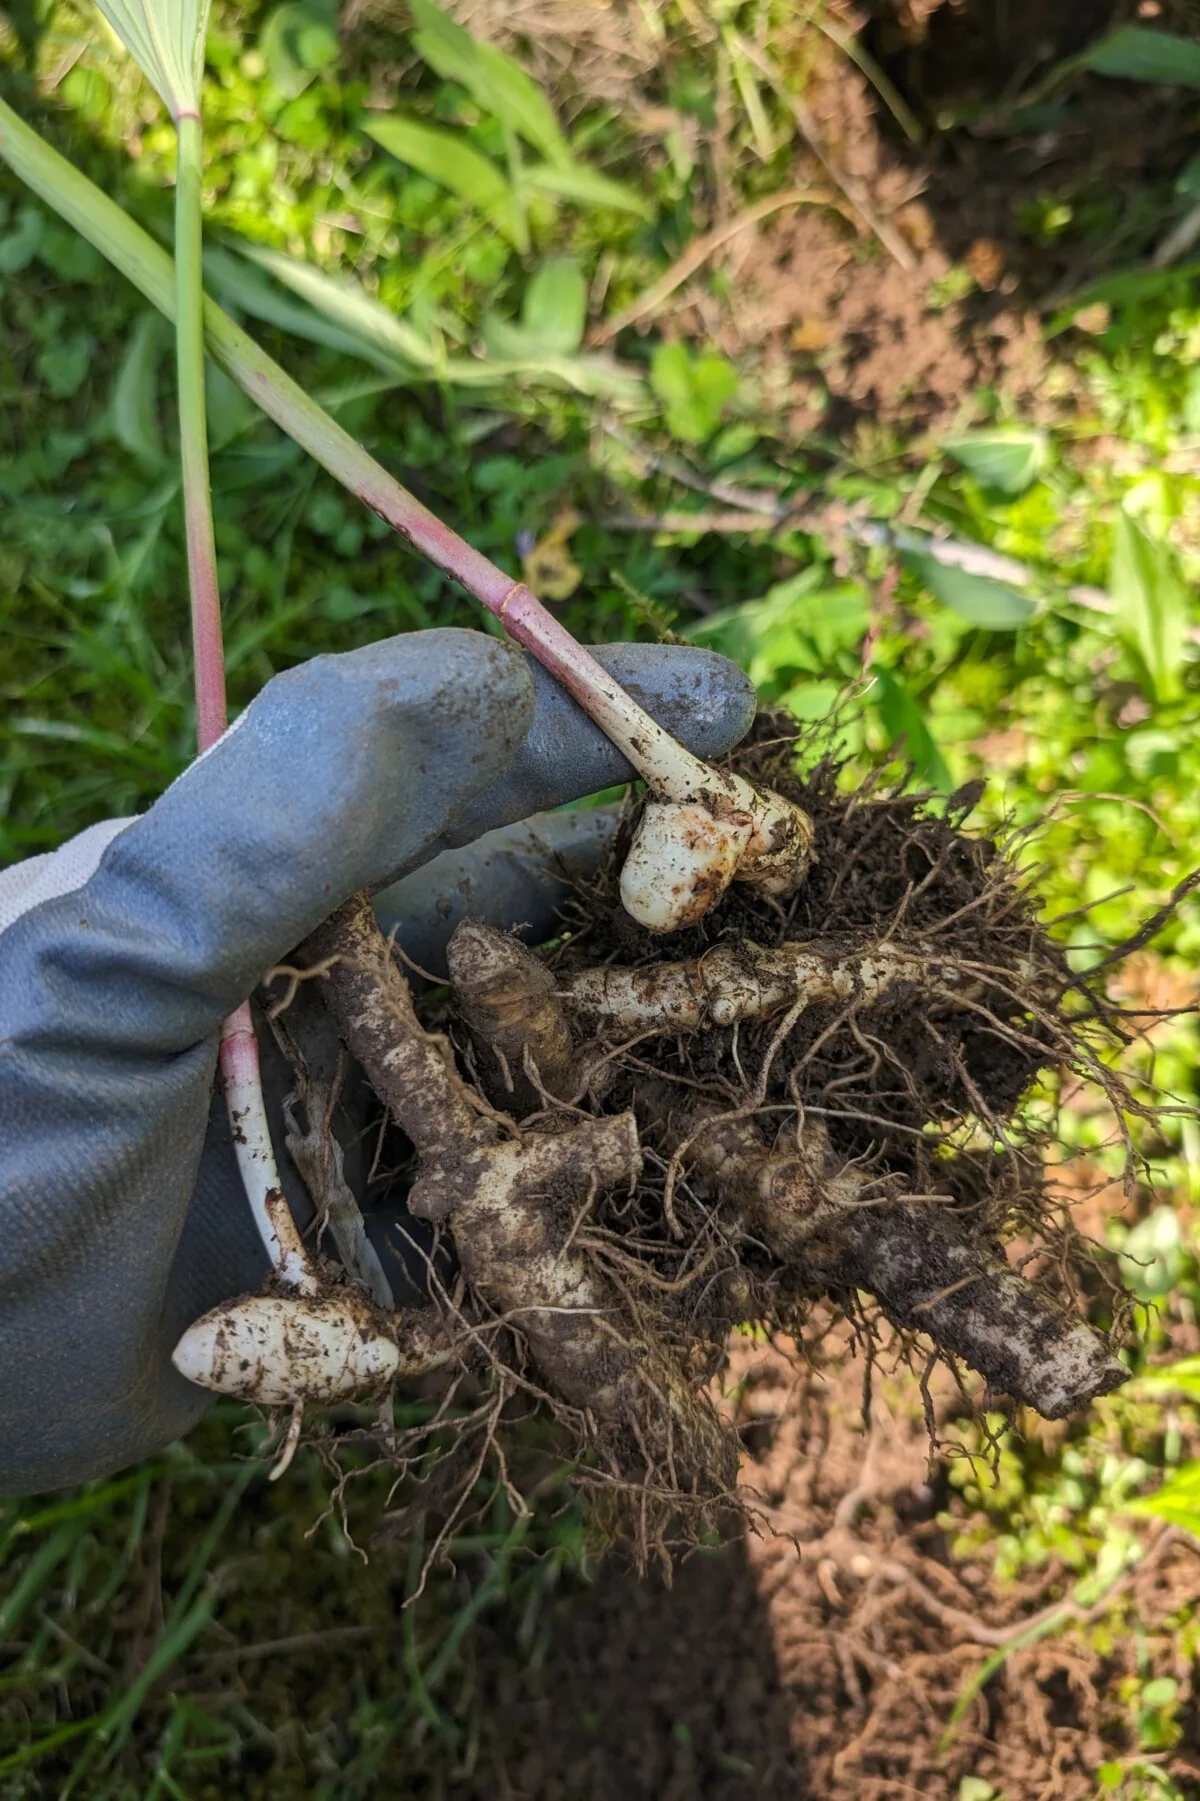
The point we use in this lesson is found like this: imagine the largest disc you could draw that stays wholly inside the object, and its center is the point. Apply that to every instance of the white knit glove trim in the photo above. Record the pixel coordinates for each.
(61, 871)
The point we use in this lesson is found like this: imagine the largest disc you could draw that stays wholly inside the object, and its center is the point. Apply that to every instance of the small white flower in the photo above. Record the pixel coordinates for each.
(166, 39)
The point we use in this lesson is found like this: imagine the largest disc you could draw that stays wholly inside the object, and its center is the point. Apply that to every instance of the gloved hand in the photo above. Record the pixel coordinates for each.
(122, 1217)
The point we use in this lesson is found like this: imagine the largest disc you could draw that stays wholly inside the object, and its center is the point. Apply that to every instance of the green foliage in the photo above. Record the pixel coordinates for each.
(135, 393)
(1134, 54)
(694, 389)
(496, 83)
(1151, 609)
(1030, 1508)
(907, 728)
(1006, 459)
(1177, 1501)
(446, 158)
(992, 605)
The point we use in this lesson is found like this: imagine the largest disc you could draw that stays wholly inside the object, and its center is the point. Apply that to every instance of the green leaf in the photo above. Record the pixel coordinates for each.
(379, 332)
(1153, 1258)
(1006, 459)
(800, 625)
(756, 112)
(229, 276)
(1177, 1501)
(1181, 1377)
(1151, 614)
(906, 726)
(135, 392)
(695, 391)
(65, 363)
(554, 310)
(444, 157)
(575, 181)
(810, 701)
(19, 246)
(230, 412)
(1134, 54)
(166, 40)
(993, 606)
(1126, 288)
(494, 81)
(297, 41)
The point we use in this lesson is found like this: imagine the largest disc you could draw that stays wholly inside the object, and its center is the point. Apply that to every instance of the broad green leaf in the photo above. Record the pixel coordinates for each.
(1181, 1377)
(1177, 1501)
(907, 727)
(507, 341)
(575, 181)
(810, 701)
(695, 391)
(445, 158)
(166, 40)
(1153, 1257)
(135, 392)
(65, 363)
(993, 606)
(1126, 288)
(1134, 54)
(297, 41)
(19, 246)
(1007, 458)
(378, 330)
(495, 82)
(1151, 614)
(554, 310)
(799, 625)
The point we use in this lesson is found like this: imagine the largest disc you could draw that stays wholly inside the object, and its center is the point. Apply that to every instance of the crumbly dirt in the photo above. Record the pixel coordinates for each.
(999, 202)
(822, 1656)
(847, 335)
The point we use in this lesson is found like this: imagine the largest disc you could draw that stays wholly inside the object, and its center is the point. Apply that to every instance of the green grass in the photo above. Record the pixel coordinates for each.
(122, 1605)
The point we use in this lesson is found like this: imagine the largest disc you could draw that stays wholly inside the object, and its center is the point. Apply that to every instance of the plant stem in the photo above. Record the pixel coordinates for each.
(666, 765)
(238, 1051)
(207, 655)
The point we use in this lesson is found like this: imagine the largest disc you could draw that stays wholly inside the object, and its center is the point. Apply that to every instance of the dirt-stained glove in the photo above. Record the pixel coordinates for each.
(122, 1217)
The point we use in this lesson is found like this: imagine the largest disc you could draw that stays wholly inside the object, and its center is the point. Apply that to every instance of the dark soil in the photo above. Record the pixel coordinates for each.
(1007, 210)
(765, 1673)
(824, 1663)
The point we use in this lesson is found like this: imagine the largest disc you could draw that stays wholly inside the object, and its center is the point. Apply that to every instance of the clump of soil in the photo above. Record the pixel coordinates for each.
(634, 1145)
(821, 1658)
(998, 203)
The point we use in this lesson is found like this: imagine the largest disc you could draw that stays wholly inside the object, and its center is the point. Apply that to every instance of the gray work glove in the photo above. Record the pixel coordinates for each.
(122, 1217)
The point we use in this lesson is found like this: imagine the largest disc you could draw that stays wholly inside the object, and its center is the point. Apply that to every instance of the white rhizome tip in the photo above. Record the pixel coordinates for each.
(689, 847)
(281, 1348)
(702, 828)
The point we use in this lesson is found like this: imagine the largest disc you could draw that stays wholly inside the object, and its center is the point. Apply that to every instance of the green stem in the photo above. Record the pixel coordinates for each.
(101, 221)
(207, 654)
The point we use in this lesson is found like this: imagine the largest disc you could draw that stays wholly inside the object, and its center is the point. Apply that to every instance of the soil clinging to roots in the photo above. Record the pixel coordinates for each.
(632, 1145)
